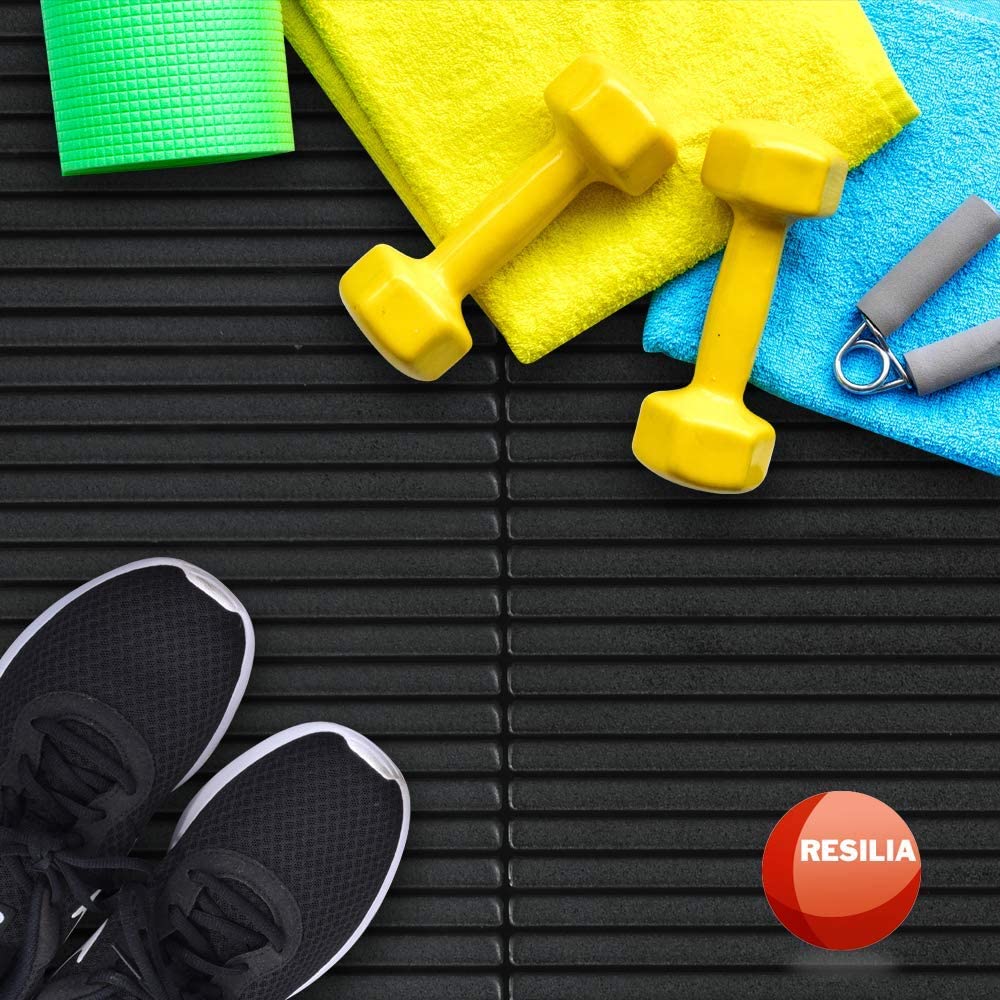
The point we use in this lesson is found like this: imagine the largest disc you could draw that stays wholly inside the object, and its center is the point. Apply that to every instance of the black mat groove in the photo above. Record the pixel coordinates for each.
(604, 690)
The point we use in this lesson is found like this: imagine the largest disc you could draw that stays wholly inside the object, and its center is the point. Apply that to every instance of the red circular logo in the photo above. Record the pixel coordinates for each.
(841, 870)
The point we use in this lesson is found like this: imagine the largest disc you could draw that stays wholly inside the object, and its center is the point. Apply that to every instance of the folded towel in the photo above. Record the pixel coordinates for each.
(446, 95)
(950, 62)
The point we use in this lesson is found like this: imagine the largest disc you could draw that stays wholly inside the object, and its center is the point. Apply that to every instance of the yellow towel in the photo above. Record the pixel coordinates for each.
(446, 96)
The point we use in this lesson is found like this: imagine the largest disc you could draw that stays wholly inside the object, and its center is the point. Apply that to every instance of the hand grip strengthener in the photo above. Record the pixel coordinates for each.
(886, 306)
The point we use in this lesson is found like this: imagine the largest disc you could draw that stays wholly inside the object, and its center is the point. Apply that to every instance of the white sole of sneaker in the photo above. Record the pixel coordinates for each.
(198, 578)
(373, 755)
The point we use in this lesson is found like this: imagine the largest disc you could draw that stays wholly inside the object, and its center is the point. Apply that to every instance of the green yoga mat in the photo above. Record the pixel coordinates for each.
(141, 84)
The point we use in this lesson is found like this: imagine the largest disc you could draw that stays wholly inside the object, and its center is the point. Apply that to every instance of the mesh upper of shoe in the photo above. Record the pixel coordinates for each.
(326, 824)
(150, 645)
(323, 822)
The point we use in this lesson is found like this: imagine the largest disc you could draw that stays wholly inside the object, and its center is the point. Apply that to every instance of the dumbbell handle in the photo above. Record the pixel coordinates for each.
(510, 217)
(740, 302)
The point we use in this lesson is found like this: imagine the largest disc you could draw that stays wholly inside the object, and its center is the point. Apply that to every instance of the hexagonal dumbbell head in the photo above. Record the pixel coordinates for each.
(702, 440)
(407, 312)
(611, 128)
(774, 167)
(411, 309)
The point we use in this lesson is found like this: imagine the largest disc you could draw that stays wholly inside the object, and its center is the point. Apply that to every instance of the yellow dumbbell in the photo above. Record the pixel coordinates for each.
(703, 436)
(411, 310)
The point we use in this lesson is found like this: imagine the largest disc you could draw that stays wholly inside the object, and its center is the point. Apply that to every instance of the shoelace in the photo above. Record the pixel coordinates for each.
(49, 867)
(186, 959)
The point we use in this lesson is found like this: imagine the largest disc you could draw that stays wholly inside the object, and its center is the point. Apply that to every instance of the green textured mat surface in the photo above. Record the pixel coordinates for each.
(157, 83)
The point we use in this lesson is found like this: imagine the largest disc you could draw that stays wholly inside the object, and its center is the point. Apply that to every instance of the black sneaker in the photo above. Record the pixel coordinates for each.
(274, 871)
(109, 700)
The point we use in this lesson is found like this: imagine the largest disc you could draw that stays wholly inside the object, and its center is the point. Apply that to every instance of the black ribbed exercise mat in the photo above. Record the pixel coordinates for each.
(604, 689)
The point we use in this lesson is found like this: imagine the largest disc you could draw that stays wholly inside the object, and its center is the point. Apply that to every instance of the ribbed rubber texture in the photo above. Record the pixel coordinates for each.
(139, 84)
(590, 808)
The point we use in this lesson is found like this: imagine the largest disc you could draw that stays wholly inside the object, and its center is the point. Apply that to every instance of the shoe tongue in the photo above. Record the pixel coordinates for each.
(7, 955)
(68, 772)
(227, 942)
(230, 942)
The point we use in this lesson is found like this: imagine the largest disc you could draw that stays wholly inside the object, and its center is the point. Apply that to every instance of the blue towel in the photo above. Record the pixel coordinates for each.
(949, 61)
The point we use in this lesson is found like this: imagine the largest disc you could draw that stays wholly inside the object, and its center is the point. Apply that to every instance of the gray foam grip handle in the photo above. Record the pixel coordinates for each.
(955, 358)
(930, 264)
